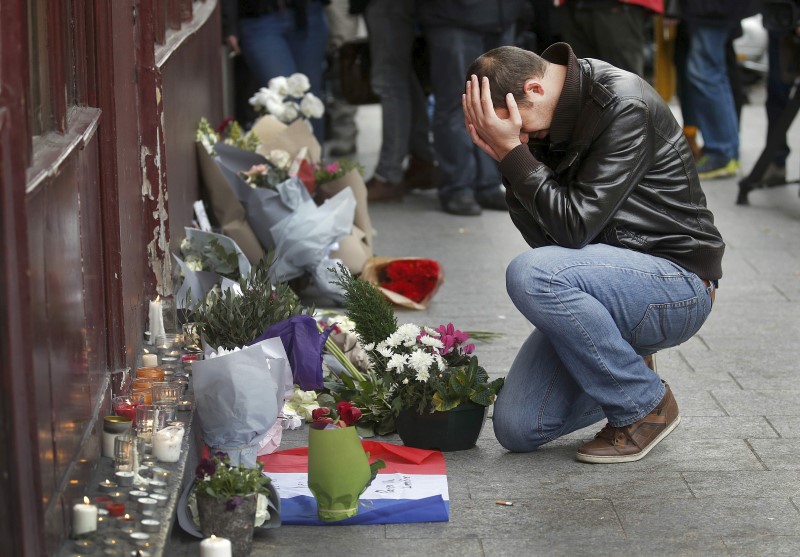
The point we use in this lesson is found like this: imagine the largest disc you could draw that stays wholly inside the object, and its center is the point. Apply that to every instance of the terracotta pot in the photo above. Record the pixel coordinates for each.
(454, 430)
(236, 525)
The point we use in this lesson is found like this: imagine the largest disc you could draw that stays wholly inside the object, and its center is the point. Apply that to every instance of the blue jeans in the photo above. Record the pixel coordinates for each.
(710, 89)
(464, 169)
(406, 127)
(273, 46)
(597, 311)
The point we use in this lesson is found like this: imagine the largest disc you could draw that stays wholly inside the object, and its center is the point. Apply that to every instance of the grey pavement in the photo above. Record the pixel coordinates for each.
(726, 482)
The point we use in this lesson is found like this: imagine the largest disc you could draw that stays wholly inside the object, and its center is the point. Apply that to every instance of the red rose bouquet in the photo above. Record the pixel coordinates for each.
(408, 282)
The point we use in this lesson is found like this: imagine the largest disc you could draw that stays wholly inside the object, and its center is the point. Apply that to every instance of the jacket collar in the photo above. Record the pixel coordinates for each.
(566, 112)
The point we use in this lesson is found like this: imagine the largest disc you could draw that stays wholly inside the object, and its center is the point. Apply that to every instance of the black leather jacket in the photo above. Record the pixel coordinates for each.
(623, 174)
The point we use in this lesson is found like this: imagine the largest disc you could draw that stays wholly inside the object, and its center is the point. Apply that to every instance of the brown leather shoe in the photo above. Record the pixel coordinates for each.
(378, 190)
(630, 443)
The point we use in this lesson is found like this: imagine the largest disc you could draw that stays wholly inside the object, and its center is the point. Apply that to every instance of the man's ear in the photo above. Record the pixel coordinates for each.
(533, 87)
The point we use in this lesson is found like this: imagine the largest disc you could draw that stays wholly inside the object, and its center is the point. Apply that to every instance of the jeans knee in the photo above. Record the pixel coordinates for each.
(515, 434)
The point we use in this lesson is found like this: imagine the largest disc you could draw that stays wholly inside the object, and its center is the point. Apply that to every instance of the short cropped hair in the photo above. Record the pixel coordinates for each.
(507, 67)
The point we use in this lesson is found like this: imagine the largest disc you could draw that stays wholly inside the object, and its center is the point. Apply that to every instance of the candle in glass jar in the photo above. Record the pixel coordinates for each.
(167, 444)
(84, 517)
(216, 547)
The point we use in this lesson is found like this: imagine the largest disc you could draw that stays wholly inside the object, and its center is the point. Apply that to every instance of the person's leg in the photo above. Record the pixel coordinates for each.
(391, 37)
(539, 401)
(618, 33)
(265, 47)
(308, 47)
(602, 308)
(778, 92)
(711, 94)
(342, 130)
(574, 31)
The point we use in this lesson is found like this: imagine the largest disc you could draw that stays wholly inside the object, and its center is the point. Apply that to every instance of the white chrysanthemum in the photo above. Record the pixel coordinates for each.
(397, 361)
(423, 375)
(433, 342)
(420, 360)
(311, 106)
(369, 347)
(280, 158)
(393, 340)
(279, 85)
(297, 84)
(405, 381)
(431, 331)
(385, 351)
(438, 361)
(408, 334)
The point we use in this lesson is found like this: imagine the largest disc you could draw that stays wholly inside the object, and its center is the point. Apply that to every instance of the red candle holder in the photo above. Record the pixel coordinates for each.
(116, 509)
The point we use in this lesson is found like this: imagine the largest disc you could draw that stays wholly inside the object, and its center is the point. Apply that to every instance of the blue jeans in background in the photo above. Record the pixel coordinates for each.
(406, 126)
(597, 311)
(710, 89)
(464, 169)
(273, 46)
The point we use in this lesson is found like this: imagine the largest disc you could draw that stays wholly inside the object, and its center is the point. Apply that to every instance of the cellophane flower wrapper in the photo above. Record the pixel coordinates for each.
(274, 134)
(227, 209)
(303, 240)
(197, 284)
(303, 344)
(374, 268)
(338, 471)
(238, 396)
(355, 248)
(264, 207)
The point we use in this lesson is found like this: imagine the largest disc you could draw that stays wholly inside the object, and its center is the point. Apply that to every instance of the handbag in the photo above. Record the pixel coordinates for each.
(354, 72)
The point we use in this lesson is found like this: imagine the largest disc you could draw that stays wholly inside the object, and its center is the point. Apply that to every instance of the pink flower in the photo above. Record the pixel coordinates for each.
(332, 168)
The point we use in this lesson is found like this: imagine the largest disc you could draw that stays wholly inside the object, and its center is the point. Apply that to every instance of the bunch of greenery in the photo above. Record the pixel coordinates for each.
(210, 255)
(232, 320)
(234, 135)
(217, 478)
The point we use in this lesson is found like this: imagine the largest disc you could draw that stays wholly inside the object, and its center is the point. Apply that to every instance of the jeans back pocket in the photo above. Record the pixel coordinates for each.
(666, 325)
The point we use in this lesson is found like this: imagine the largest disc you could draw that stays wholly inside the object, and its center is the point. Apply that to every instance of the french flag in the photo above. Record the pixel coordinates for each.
(412, 487)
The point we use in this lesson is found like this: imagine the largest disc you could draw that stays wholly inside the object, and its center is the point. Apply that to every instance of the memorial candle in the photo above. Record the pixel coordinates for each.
(84, 517)
(216, 547)
(156, 320)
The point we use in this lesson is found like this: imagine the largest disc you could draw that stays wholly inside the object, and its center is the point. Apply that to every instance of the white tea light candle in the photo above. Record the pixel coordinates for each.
(167, 444)
(216, 547)
(84, 517)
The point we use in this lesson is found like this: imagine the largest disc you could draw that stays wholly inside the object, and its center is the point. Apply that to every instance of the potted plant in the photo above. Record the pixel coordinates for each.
(426, 379)
(227, 498)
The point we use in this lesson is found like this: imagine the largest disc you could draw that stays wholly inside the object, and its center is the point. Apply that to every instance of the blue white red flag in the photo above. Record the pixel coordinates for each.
(412, 487)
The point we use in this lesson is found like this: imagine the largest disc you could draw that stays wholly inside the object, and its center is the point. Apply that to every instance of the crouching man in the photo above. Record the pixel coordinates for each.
(602, 185)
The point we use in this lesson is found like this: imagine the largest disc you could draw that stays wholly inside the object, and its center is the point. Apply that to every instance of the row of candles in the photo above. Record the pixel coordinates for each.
(144, 419)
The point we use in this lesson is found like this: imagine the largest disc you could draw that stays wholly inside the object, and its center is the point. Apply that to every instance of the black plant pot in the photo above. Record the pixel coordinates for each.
(455, 430)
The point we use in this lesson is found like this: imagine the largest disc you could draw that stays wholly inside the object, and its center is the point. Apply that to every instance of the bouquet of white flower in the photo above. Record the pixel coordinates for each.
(288, 99)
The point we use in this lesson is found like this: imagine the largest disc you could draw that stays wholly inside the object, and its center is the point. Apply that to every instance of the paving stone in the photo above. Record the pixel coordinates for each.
(357, 546)
(597, 546)
(726, 427)
(668, 519)
(484, 518)
(778, 454)
(787, 426)
(774, 546)
(749, 484)
(758, 402)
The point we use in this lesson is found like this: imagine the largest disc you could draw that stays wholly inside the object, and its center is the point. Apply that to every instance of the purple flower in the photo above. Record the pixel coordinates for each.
(221, 456)
(233, 502)
(205, 468)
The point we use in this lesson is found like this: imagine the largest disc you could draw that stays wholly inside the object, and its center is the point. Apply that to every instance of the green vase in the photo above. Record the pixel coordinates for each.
(338, 471)
(454, 430)
(236, 525)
